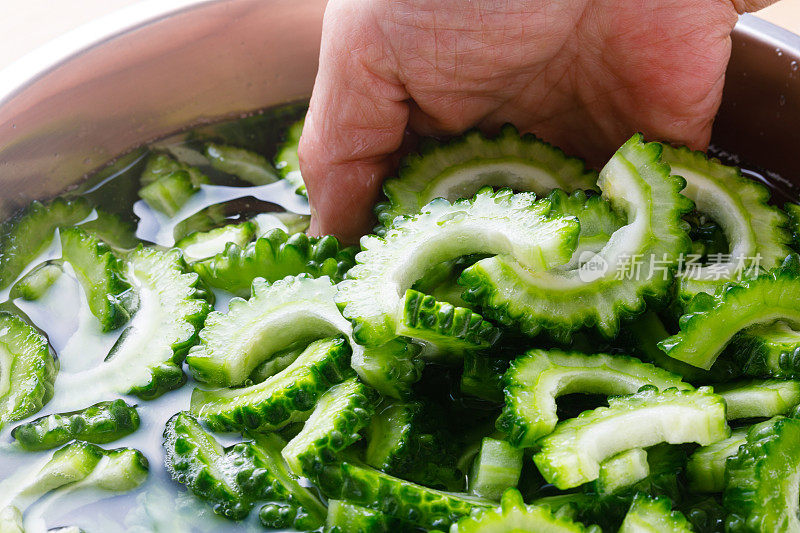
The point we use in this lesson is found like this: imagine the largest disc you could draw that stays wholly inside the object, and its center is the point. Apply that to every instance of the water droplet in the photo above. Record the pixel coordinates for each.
(794, 66)
(782, 100)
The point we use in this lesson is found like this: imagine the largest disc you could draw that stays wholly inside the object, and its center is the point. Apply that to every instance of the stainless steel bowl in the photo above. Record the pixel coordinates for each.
(164, 65)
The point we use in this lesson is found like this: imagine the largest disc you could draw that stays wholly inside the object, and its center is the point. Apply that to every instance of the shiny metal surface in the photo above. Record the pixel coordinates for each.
(147, 71)
(164, 65)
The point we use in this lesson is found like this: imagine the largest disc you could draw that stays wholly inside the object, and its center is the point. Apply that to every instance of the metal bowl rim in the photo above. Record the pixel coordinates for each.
(27, 70)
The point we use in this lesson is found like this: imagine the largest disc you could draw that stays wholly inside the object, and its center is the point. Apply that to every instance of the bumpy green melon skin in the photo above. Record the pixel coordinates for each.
(766, 350)
(598, 294)
(666, 464)
(274, 256)
(597, 217)
(101, 423)
(705, 469)
(277, 315)
(422, 506)
(654, 515)
(460, 167)
(30, 232)
(492, 223)
(160, 165)
(340, 414)
(344, 517)
(711, 322)
(294, 506)
(537, 378)
(483, 376)
(571, 455)
(110, 295)
(404, 440)
(761, 480)
(233, 479)
(201, 245)
(147, 358)
(28, 369)
(392, 368)
(514, 515)
(446, 327)
(286, 397)
(644, 334)
(753, 228)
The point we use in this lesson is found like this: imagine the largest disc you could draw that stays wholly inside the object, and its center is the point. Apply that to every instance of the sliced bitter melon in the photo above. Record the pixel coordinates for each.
(754, 229)
(483, 376)
(622, 470)
(160, 165)
(344, 517)
(170, 193)
(427, 508)
(340, 414)
(275, 317)
(705, 469)
(28, 369)
(78, 465)
(234, 479)
(286, 160)
(460, 167)
(274, 256)
(597, 217)
(513, 515)
(244, 164)
(292, 310)
(302, 509)
(759, 398)
(654, 515)
(637, 260)
(767, 350)
(112, 229)
(101, 423)
(406, 441)
(763, 479)
(497, 467)
(443, 326)
(536, 379)
(31, 231)
(146, 360)
(204, 244)
(647, 330)
(516, 225)
(284, 398)
(571, 455)
(391, 368)
(35, 283)
(711, 322)
(110, 295)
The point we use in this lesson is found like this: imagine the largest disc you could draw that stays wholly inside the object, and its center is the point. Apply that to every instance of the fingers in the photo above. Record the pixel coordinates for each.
(356, 120)
(748, 6)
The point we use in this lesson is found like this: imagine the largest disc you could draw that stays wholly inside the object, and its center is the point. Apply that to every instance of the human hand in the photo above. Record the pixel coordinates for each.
(582, 74)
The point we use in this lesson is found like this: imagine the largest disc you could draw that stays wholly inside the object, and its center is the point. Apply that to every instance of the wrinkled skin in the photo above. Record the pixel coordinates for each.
(582, 74)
